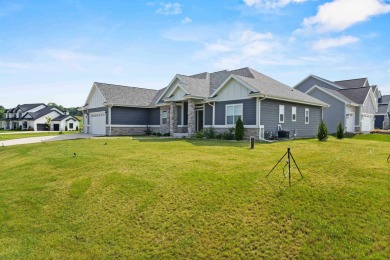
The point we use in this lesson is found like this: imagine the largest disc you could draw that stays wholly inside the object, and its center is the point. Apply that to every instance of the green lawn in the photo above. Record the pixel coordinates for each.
(9, 135)
(164, 198)
(375, 137)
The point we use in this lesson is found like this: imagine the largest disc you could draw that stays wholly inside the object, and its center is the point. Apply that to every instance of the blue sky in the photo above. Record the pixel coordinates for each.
(53, 51)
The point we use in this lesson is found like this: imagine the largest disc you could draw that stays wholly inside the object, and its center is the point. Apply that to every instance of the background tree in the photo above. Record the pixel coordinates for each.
(322, 133)
(340, 131)
(2, 112)
(48, 122)
(239, 130)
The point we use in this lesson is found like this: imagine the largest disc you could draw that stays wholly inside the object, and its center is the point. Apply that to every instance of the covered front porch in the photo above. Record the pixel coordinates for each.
(185, 117)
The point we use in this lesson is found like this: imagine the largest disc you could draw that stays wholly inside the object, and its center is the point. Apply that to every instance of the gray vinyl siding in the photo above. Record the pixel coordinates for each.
(249, 111)
(310, 82)
(98, 109)
(154, 116)
(334, 114)
(129, 116)
(178, 115)
(368, 106)
(208, 114)
(269, 117)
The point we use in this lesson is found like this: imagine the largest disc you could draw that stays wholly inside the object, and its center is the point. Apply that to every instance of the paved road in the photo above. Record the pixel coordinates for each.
(31, 140)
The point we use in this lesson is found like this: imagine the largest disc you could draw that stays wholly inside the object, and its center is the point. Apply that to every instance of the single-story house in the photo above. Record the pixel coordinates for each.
(352, 102)
(383, 113)
(34, 117)
(191, 103)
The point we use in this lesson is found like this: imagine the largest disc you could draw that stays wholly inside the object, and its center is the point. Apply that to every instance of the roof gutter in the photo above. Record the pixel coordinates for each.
(287, 99)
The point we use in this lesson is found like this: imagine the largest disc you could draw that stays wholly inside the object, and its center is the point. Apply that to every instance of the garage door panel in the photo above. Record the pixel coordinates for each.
(97, 123)
(367, 122)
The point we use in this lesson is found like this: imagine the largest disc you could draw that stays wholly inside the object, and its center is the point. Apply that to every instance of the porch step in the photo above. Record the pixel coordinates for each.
(180, 135)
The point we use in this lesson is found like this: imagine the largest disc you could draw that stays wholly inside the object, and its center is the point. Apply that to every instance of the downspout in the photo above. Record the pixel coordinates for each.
(259, 111)
(213, 106)
(109, 117)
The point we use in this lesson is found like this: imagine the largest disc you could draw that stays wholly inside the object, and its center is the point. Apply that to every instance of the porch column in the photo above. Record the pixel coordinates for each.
(191, 117)
(172, 118)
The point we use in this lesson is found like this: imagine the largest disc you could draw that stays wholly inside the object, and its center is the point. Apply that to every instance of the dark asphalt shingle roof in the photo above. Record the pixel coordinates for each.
(383, 109)
(40, 113)
(338, 94)
(26, 107)
(62, 117)
(357, 95)
(127, 96)
(352, 83)
(385, 99)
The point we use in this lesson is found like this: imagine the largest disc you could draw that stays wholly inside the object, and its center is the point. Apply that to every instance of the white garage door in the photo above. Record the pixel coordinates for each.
(97, 123)
(367, 122)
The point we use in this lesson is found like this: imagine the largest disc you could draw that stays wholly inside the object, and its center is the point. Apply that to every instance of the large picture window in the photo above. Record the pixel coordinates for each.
(164, 117)
(281, 113)
(294, 114)
(233, 112)
(306, 116)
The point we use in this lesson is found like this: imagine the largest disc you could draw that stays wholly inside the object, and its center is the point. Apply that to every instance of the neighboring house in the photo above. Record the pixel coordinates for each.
(383, 113)
(352, 102)
(191, 103)
(34, 117)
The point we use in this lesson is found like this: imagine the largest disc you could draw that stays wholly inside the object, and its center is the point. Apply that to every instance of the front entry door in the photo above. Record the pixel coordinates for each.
(199, 120)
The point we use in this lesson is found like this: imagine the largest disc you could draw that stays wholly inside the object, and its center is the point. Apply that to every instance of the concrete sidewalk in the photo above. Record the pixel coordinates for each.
(39, 139)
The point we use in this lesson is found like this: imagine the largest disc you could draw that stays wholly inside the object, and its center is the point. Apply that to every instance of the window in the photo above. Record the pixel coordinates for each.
(294, 114)
(164, 117)
(20, 114)
(233, 112)
(70, 125)
(281, 113)
(306, 115)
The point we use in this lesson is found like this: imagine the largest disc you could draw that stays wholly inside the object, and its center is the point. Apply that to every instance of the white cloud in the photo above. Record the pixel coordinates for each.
(14, 65)
(186, 20)
(269, 4)
(238, 49)
(69, 57)
(328, 43)
(169, 8)
(339, 15)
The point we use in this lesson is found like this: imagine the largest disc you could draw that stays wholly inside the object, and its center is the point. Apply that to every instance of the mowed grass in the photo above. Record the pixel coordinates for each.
(124, 198)
(374, 137)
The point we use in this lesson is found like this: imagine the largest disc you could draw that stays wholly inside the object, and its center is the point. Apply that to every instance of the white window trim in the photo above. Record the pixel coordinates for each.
(232, 105)
(281, 109)
(293, 113)
(162, 117)
(308, 116)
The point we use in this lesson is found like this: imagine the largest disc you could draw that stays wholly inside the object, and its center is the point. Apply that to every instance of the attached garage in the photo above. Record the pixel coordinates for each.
(367, 122)
(41, 127)
(97, 123)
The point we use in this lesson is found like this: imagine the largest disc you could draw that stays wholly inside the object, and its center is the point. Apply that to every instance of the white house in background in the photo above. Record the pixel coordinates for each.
(34, 117)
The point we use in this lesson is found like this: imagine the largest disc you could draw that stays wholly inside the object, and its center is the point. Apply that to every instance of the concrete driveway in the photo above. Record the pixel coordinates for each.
(39, 139)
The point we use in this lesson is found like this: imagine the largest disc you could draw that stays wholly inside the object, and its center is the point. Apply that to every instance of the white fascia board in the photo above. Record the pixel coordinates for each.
(289, 100)
(91, 91)
(251, 88)
(330, 94)
(317, 78)
(371, 95)
(176, 87)
(168, 87)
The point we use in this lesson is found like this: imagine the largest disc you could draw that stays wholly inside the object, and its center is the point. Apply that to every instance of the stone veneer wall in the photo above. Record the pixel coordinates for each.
(130, 130)
(191, 117)
(172, 118)
(164, 128)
